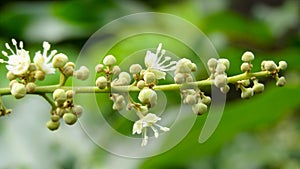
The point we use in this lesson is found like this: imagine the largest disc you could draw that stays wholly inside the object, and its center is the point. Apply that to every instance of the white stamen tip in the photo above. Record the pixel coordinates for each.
(4, 53)
(21, 45)
(46, 45)
(14, 42)
(7, 46)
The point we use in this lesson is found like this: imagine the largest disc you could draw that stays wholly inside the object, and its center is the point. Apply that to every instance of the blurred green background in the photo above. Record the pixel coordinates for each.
(260, 133)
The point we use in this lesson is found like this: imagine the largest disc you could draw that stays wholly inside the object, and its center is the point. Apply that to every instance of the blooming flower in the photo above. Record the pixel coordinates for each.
(155, 64)
(42, 60)
(19, 61)
(149, 120)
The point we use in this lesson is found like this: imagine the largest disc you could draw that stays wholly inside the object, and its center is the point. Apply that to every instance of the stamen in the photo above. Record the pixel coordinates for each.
(8, 47)
(4, 53)
(14, 42)
(155, 131)
(21, 44)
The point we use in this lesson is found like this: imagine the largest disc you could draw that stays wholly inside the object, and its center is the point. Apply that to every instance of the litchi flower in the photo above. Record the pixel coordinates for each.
(19, 61)
(155, 64)
(150, 120)
(42, 61)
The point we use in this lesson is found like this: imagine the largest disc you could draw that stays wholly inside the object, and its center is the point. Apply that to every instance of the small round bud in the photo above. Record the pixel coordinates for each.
(82, 74)
(55, 118)
(59, 60)
(51, 125)
(225, 89)
(32, 67)
(189, 78)
(10, 76)
(30, 87)
(120, 99)
(39, 75)
(109, 60)
(282, 65)
(101, 82)
(220, 69)
(183, 66)
(148, 96)
(193, 67)
(70, 94)
(60, 96)
(246, 93)
(116, 70)
(68, 71)
(212, 63)
(247, 56)
(281, 81)
(125, 77)
(149, 77)
(18, 90)
(11, 83)
(258, 87)
(225, 62)
(99, 68)
(78, 110)
(262, 65)
(179, 78)
(206, 100)
(190, 100)
(70, 118)
(220, 80)
(199, 108)
(141, 84)
(245, 67)
(119, 106)
(270, 65)
(135, 68)
(245, 82)
(72, 64)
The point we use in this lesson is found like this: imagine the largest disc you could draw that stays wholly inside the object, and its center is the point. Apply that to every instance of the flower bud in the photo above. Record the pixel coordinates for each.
(11, 83)
(190, 100)
(101, 82)
(179, 78)
(109, 60)
(10, 76)
(258, 87)
(70, 118)
(59, 60)
(189, 78)
(245, 67)
(220, 80)
(262, 65)
(220, 69)
(32, 67)
(82, 74)
(99, 68)
(119, 106)
(125, 77)
(281, 81)
(199, 108)
(116, 70)
(212, 63)
(119, 99)
(30, 87)
(270, 65)
(148, 96)
(246, 93)
(225, 89)
(193, 67)
(60, 96)
(183, 66)
(68, 71)
(55, 118)
(135, 68)
(206, 100)
(18, 90)
(149, 77)
(141, 84)
(70, 94)
(39, 75)
(282, 65)
(247, 56)
(72, 64)
(51, 125)
(78, 110)
(224, 62)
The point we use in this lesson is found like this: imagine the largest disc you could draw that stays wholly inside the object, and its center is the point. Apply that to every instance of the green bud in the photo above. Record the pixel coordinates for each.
(212, 63)
(12, 82)
(18, 90)
(70, 94)
(190, 100)
(179, 78)
(220, 80)
(125, 77)
(189, 78)
(184, 66)
(10, 76)
(135, 68)
(282, 65)
(225, 89)
(141, 84)
(68, 71)
(72, 64)
(30, 87)
(118, 106)
(206, 100)
(245, 82)
(32, 67)
(199, 108)
(60, 96)
(109, 60)
(39, 75)
(270, 65)
(245, 67)
(99, 68)
(78, 110)
(258, 87)
(51, 125)
(101, 82)
(149, 77)
(247, 56)
(70, 118)
(225, 62)
(59, 60)
(281, 81)
(221, 68)
(193, 67)
(55, 118)
(119, 99)
(148, 96)
(82, 74)
(116, 70)
(246, 92)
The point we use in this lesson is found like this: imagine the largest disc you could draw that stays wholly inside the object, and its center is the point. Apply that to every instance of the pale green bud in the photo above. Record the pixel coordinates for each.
(190, 100)
(135, 68)
(199, 108)
(245, 82)
(78, 110)
(70, 118)
(206, 100)
(212, 63)
(72, 64)
(220, 69)
(225, 62)
(183, 66)
(51, 125)
(179, 78)
(11, 83)
(119, 99)
(258, 87)
(189, 78)
(83, 73)
(68, 71)
(220, 80)
(30, 87)
(148, 96)
(99, 68)
(70, 94)
(55, 118)
(262, 65)
(32, 67)
(149, 77)
(59, 60)
(60, 96)
(109, 60)
(246, 93)
(282, 65)
(119, 106)
(247, 56)
(281, 81)
(10, 76)
(141, 84)
(101, 82)
(18, 90)
(245, 67)
(193, 67)
(116, 70)
(39, 75)
(270, 65)
(225, 89)
(125, 76)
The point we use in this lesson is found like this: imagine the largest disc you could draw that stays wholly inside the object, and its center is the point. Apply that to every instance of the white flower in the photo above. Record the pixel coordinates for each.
(149, 120)
(155, 64)
(18, 63)
(42, 61)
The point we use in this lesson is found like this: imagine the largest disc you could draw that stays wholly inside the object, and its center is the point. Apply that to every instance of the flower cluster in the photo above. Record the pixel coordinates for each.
(217, 68)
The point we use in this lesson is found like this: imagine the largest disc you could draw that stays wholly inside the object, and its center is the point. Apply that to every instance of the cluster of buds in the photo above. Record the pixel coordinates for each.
(274, 70)
(217, 68)
(65, 108)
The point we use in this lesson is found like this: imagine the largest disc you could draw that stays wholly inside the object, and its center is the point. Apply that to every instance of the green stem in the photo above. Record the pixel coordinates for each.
(49, 100)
